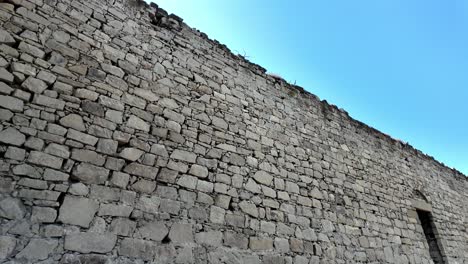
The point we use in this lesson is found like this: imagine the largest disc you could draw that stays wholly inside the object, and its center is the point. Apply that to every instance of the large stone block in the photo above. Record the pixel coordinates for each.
(90, 242)
(77, 211)
(89, 173)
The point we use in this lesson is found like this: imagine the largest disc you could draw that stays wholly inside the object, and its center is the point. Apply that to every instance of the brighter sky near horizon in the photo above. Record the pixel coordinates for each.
(399, 66)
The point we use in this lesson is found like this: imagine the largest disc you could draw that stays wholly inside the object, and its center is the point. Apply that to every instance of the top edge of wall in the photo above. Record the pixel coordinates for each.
(160, 17)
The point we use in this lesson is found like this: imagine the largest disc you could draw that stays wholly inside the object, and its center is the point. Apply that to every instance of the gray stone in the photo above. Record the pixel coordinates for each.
(73, 121)
(120, 179)
(7, 245)
(43, 214)
(131, 154)
(11, 103)
(199, 171)
(34, 85)
(107, 146)
(232, 239)
(122, 227)
(54, 175)
(47, 77)
(38, 249)
(184, 156)
(5, 88)
(58, 150)
(88, 156)
(181, 233)
(263, 177)
(11, 208)
(79, 189)
(90, 242)
(6, 38)
(138, 123)
(26, 170)
(40, 158)
(48, 102)
(144, 186)
(82, 137)
(210, 238)
(115, 210)
(15, 153)
(153, 231)
(77, 211)
(32, 50)
(25, 69)
(256, 243)
(248, 208)
(113, 70)
(138, 248)
(93, 108)
(141, 170)
(5, 76)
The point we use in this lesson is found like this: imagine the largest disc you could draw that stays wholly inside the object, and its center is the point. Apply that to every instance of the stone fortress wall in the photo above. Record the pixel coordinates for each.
(128, 137)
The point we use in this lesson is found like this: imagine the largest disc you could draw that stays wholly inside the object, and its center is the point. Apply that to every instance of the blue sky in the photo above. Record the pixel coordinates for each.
(397, 65)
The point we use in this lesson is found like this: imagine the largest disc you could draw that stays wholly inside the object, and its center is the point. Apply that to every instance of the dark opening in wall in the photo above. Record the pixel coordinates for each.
(430, 232)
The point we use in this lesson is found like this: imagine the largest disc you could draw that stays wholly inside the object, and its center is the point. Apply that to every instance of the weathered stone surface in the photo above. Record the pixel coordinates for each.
(88, 173)
(249, 208)
(11, 208)
(183, 156)
(181, 233)
(11, 103)
(12, 136)
(263, 177)
(90, 242)
(5, 76)
(40, 158)
(43, 214)
(73, 121)
(6, 38)
(181, 152)
(8, 244)
(141, 170)
(34, 85)
(37, 249)
(77, 211)
(132, 154)
(138, 123)
(153, 231)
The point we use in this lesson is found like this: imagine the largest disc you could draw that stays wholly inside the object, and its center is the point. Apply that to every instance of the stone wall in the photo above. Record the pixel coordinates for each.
(128, 137)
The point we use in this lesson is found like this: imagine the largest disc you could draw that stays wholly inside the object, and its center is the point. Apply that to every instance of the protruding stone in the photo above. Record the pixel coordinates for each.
(263, 177)
(11, 208)
(90, 174)
(34, 85)
(6, 38)
(184, 156)
(249, 208)
(138, 123)
(73, 121)
(132, 154)
(77, 211)
(199, 171)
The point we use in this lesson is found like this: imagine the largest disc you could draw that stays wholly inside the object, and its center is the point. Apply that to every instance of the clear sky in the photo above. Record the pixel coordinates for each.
(397, 65)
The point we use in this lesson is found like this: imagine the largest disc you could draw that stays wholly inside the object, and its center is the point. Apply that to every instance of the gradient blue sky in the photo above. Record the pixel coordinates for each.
(400, 66)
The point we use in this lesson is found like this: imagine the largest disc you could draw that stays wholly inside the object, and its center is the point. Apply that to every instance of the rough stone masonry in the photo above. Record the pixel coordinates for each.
(128, 137)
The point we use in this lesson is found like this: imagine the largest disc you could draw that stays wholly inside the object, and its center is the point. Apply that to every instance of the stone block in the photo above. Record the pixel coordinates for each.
(181, 233)
(43, 159)
(90, 242)
(73, 121)
(154, 231)
(37, 249)
(260, 244)
(77, 211)
(11, 103)
(141, 170)
(43, 214)
(34, 85)
(7, 247)
(11, 208)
